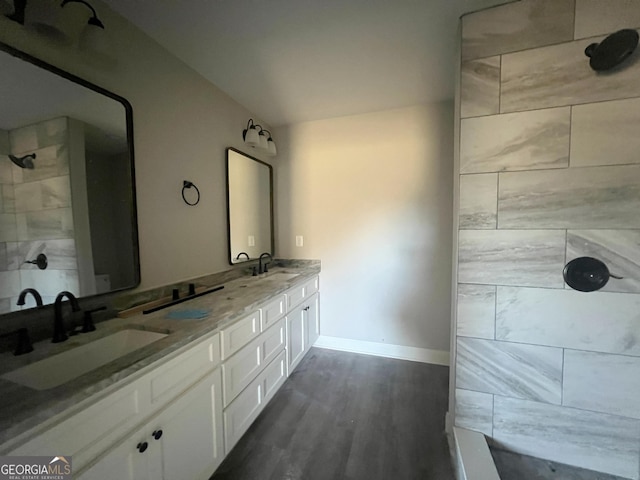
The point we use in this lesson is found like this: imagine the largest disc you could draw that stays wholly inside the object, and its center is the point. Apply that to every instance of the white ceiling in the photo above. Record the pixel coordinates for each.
(289, 61)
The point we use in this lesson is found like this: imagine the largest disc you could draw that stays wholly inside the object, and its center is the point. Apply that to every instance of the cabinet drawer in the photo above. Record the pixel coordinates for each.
(247, 406)
(240, 370)
(273, 311)
(185, 370)
(239, 334)
(298, 293)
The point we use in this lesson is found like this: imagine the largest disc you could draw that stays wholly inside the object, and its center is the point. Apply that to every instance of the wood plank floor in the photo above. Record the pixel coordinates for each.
(348, 416)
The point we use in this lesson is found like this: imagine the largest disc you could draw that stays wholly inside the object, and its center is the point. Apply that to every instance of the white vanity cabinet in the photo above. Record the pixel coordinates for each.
(178, 420)
(183, 441)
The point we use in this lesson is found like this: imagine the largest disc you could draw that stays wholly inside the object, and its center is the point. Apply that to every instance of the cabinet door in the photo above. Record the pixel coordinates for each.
(296, 337)
(313, 318)
(124, 462)
(191, 441)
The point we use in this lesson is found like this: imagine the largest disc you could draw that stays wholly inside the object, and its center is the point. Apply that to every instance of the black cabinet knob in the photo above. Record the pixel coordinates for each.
(157, 434)
(142, 446)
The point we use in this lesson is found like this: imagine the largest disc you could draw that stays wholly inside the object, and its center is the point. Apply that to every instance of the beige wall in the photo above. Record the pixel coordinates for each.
(371, 195)
(182, 125)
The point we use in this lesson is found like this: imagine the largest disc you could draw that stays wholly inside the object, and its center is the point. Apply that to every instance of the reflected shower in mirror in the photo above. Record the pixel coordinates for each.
(250, 207)
(67, 184)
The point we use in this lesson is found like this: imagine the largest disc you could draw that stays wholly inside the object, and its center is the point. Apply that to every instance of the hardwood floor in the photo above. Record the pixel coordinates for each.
(348, 416)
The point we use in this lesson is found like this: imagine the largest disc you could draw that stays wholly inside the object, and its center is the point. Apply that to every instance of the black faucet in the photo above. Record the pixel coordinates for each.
(260, 269)
(58, 324)
(32, 291)
(243, 253)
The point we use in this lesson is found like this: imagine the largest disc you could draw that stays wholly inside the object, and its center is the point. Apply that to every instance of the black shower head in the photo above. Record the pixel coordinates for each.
(613, 50)
(24, 162)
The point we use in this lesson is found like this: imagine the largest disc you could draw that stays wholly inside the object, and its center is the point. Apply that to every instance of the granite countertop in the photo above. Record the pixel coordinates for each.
(25, 409)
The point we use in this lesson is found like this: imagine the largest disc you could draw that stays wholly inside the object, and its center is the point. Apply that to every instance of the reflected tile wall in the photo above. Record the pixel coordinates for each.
(511, 257)
(605, 133)
(476, 311)
(518, 141)
(601, 322)
(592, 19)
(5, 147)
(480, 90)
(474, 411)
(5, 305)
(43, 195)
(8, 228)
(559, 75)
(6, 174)
(519, 371)
(45, 225)
(597, 197)
(4, 259)
(8, 201)
(600, 382)
(34, 137)
(478, 201)
(61, 254)
(605, 443)
(618, 249)
(9, 283)
(513, 27)
(50, 282)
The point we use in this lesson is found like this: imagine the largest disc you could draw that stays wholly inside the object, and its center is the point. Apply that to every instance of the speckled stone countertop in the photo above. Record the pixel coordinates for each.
(24, 409)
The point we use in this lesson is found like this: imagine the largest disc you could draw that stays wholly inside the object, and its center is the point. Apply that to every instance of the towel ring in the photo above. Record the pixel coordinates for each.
(187, 184)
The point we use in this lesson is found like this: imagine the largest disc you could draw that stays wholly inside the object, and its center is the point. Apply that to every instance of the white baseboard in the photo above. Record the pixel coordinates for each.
(423, 355)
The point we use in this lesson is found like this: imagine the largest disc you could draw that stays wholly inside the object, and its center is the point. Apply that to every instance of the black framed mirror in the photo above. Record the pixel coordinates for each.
(67, 184)
(249, 207)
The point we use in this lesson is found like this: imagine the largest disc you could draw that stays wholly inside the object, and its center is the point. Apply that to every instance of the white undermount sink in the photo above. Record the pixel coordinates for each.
(63, 367)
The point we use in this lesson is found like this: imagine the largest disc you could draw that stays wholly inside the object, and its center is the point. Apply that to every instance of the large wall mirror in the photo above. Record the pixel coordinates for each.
(67, 204)
(250, 207)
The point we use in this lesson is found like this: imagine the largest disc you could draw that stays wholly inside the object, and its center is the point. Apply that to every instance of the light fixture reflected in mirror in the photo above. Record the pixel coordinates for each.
(257, 137)
(66, 22)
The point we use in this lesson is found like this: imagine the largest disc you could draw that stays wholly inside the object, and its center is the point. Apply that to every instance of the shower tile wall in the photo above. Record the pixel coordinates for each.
(36, 215)
(548, 172)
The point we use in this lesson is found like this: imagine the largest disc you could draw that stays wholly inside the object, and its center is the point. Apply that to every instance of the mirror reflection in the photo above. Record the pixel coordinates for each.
(250, 207)
(67, 203)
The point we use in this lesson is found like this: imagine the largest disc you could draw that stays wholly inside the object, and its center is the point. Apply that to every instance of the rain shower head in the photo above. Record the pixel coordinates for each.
(613, 50)
(24, 162)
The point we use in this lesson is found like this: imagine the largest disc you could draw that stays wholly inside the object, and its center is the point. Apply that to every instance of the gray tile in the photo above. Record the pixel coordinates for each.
(476, 311)
(480, 87)
(51, 282)
(618, 249)
(9, 283)
(8, 228)
(512, 257)
(52, 132)
(605, 133)
(596, 17)
(478, 201)
(61, 254)
(8, 201)
(5, 146)
(6, 175)
(46, 224)
(516, 26)
(474, 411)
(603, 383)
(520, 371)
(4, 259)
(602, 322)
(517, 141)
(5, 305)
(23, 140)
(560, 75)
(595, 441)
(579, 198)
(49, 162)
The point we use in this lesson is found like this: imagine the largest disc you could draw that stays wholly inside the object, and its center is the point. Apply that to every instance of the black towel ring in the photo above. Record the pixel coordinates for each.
(187, 184)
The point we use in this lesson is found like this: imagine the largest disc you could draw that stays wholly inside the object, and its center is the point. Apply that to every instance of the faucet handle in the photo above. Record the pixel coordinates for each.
(88, 325)
(23, 344)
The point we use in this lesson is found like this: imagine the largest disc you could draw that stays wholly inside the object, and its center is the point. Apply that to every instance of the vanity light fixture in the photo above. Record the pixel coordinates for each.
(67, 22)
(258, 138)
